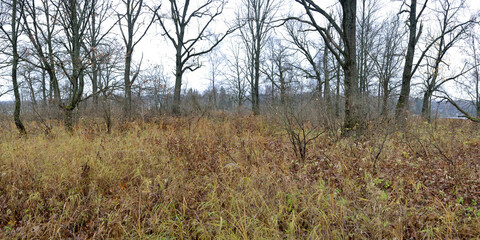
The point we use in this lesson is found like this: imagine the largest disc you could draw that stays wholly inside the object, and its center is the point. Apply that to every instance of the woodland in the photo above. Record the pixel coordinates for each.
(256, 119)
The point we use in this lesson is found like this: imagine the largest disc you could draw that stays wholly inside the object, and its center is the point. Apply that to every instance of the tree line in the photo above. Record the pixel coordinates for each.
(361, 54)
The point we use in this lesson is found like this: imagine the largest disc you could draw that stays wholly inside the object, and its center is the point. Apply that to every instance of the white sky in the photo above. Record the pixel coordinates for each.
(157, 50)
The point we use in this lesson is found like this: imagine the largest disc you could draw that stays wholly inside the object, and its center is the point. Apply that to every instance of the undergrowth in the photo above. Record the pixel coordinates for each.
(239, 178)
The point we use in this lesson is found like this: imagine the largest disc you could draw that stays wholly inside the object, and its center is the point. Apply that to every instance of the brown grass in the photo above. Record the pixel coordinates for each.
(238, 178)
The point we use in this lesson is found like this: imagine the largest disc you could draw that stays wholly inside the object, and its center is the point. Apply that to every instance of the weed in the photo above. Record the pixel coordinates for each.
(174, 178)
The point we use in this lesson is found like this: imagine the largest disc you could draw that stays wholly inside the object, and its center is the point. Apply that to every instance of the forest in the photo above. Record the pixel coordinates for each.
(240, 119)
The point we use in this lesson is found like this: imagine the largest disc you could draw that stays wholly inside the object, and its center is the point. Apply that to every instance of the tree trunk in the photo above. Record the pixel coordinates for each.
(320, 88)
(54, 93)
(477, 108)
(476, 75)
(77, 75)
(256, 97)
(32, 91)
(94, 58)
(327, 82)
(95, 81)
(337, 95)
(477, 94)
(214, 92)
(178, 81)
(127, 104)
(69, 119)
(401, 111)
(283, 92)
(353, 114)
(16, 91)
(427, 105)
(385, 96)
(44, 88)
(362, 58)
(57, 99)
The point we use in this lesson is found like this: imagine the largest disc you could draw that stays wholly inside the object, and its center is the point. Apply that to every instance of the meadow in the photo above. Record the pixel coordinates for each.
(237, 177)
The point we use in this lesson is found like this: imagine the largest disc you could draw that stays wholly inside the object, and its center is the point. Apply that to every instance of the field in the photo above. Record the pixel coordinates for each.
(237, 177)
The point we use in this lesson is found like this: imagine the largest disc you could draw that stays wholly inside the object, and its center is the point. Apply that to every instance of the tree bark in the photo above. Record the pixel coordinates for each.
(127, 103)
(386, 94)
(476, 75)
(95, 81)
(68, 121)
(401, 111)
(44, 88)
(75, 21)
(326, 74)
(93, 56)
(256, 19)
(426, 104)
(352, 100)
(16, 91)
(178, 81)
(337, 95)
(477, 93)
(131, 16)
(283, 87)
(256, 92)
(186, 47)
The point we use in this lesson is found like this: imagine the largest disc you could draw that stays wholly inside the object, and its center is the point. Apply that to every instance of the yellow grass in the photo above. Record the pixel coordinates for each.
(238, 178)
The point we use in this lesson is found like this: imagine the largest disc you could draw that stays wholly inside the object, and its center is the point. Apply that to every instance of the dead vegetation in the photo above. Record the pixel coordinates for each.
(231, 177)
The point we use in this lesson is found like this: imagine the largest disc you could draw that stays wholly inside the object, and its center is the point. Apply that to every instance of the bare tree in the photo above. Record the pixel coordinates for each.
(236, 75)
(109, 59)
(476, 77)
(68, 54)
(133, 27)
(327, 76)
(97, 33)
(72, 60)
(215, 59)
(471, 85)
(12, 33)
(178, 26)
(279, 68)
(30, 77)
(298, 35)
(156, 82)
(256, 17)
(459, 108)
(367, 37)
(387, 60)
(346, 56)
(409, 68)
(40, 23)
(451, 32)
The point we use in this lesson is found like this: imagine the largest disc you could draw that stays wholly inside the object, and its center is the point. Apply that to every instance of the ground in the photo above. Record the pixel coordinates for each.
(237, 177)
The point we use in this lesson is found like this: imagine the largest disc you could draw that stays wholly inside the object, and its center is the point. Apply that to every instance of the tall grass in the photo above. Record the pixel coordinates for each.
(238, 178)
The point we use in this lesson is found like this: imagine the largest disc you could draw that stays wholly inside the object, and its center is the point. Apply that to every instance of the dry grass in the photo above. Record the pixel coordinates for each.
(238, 178)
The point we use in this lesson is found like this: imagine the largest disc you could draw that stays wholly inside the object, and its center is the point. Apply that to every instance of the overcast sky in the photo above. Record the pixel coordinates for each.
(157, 50)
